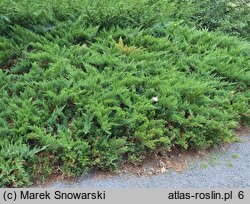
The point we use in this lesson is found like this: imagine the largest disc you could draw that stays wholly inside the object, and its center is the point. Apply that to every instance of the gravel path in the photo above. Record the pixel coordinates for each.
(229, 168)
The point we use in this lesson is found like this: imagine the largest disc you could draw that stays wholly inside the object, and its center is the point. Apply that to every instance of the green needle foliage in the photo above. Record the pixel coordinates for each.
(90, 84)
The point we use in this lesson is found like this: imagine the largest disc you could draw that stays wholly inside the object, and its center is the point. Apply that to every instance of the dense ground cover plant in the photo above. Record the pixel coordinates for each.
(88, 85)
(228, 16)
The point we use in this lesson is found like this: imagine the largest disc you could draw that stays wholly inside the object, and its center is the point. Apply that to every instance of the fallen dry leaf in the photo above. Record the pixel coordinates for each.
(163, 170)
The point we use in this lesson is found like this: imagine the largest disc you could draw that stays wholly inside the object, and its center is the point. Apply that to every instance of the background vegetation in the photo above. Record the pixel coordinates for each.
(90, 84)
